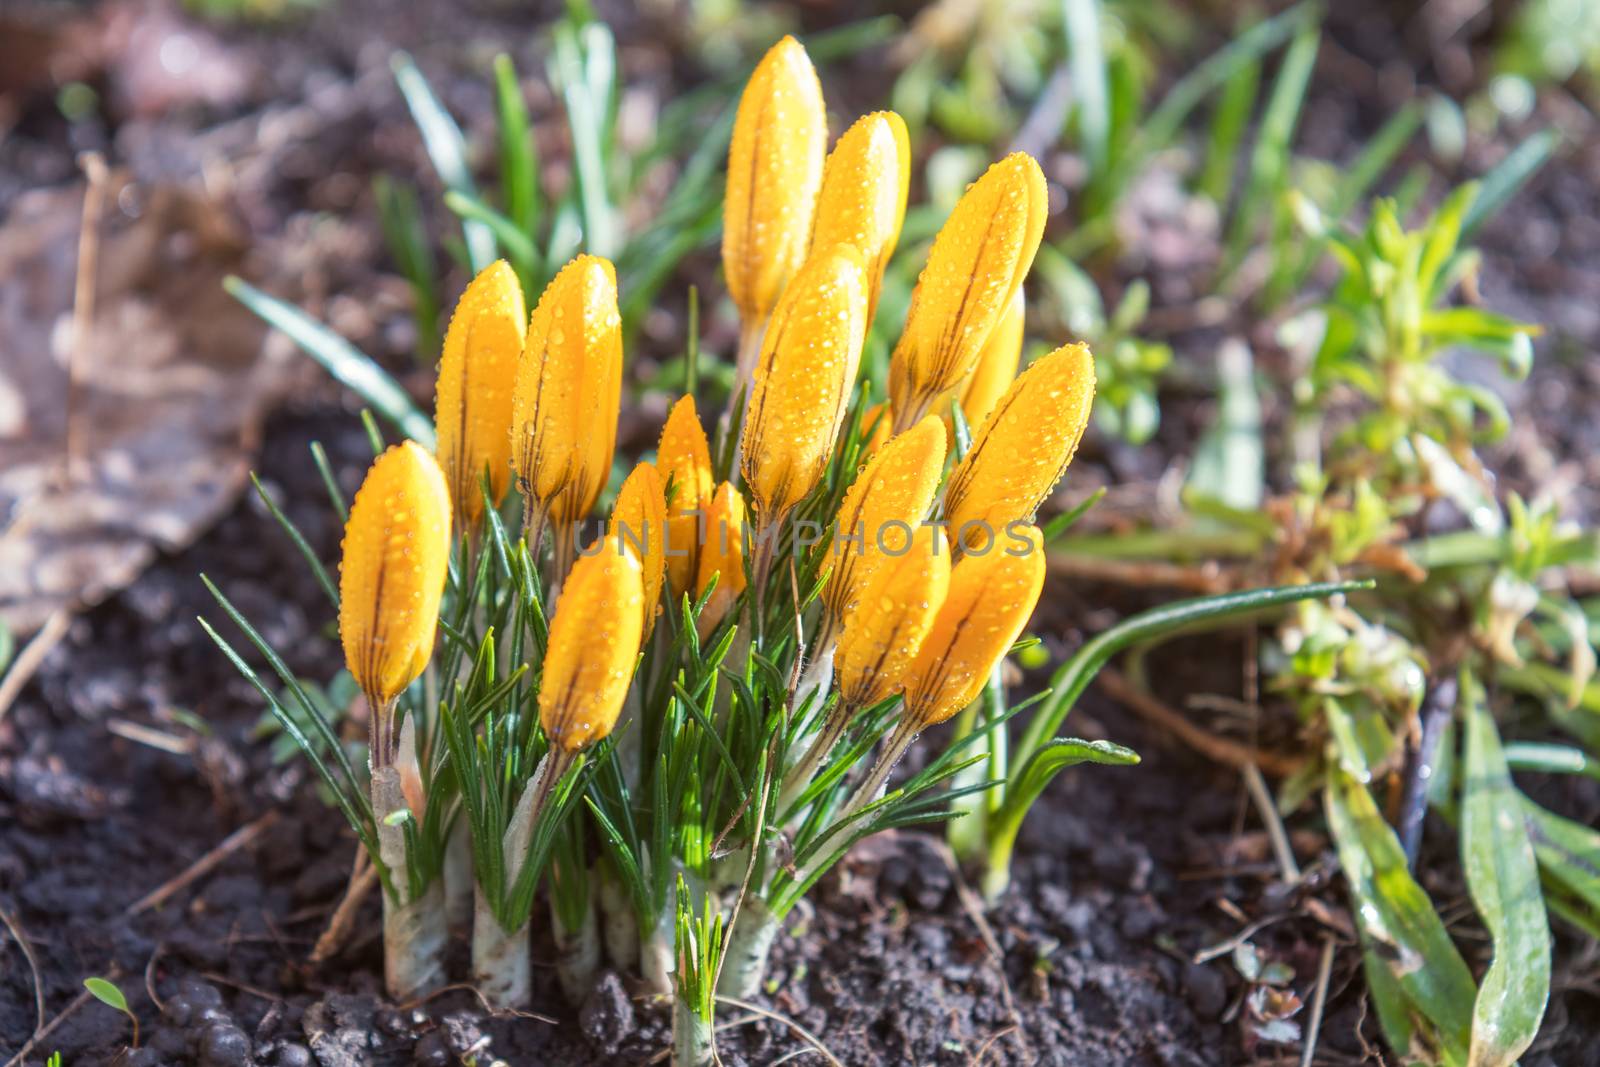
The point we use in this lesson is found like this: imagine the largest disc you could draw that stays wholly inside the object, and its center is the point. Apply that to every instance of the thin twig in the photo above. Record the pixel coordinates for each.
(150, 978)
(94, 198)
(1268, 810)
(983, 1050)
(805, 1035)
(32, 656)
(363, 876)
(1319, 1001)
(1206, 578)
(464, 987)
(33, 965)
(1235, 755)
(203, 866)
(140, 734)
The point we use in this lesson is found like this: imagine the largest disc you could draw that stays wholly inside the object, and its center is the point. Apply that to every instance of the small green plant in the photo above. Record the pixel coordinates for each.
(106, 992)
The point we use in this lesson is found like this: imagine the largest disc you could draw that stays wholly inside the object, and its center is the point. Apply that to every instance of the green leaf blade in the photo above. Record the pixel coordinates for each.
(1503, 878)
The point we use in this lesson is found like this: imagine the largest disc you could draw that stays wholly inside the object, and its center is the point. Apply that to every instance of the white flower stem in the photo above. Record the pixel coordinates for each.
(749, 945)
(414, 929)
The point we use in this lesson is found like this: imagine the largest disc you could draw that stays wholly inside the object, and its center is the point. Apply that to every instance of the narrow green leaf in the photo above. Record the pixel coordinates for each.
(339, 357)
(1569, 855)
(442, 140)
(1401, 925)
(519, 162)
(1509, 175)
(1503, 879)
(318, 571)
(512, 238)
(1074, 676)
(319, 455)
(1081, 21)
(1228, 124)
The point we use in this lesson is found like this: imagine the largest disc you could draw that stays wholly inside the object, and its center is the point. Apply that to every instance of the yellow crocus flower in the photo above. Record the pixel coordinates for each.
(396, 555)
(594, 640)
(978, 261)
(863, 197)
(1023, 448)
(780, 136)
(883, 633)
(639, 523)
(803, 381)
(567, 395)
(989, 600)
(721, 556)
(473, 400)
(684, 459)
(889, 499)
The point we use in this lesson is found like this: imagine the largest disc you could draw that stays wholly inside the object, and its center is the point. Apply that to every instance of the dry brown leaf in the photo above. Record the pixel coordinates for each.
(174, 381)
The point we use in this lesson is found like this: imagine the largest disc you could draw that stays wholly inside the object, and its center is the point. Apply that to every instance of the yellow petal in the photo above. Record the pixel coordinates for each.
(803, 380)
(996, 368)
(684, 460)
(978, 261)
(473, 406)
(396, 554)
(594, 640)
(1024, 447)
(780, 136)
(863, 197)
(722, 555)
(568, 390)
(990, 599)
(638, 522)
(889, 499)
(883, 633)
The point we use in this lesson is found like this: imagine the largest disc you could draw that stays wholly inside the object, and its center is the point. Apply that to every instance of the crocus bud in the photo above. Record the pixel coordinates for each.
(396, 555)
(721, 556)
(568, 391)
(883, 633)
(978, 261)
(1023, 448)
(996, 368)
(988, 603)
(863, 197)
(803, 381)
(888, 501)
(473, 406)
(684, 460)
(639, 523)
(594, 640)
(780, 136)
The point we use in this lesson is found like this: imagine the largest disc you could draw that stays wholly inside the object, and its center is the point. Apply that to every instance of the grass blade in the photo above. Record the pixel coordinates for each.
(1074, 676)
(1269, 159)
(519, 161)
(318, 571)
(442, 140)
(339, 358)
(1503, 878)
(1509, 175)
(407, 238)
(1399, 924)
(1081, 21)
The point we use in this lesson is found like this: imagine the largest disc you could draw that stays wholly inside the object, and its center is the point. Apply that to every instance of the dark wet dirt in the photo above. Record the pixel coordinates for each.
(1121, 876)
